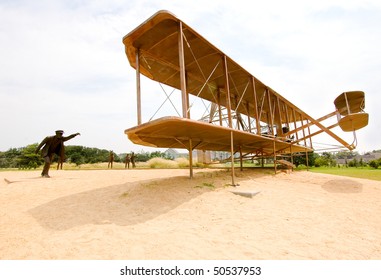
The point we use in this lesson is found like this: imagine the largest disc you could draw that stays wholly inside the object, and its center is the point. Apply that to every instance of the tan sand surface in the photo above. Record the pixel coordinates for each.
(162, 214)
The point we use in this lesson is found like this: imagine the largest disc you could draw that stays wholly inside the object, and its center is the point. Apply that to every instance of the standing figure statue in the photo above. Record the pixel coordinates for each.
(110, 159)
(128, 160)
(61, 158)
(133, 160)
(52, 145)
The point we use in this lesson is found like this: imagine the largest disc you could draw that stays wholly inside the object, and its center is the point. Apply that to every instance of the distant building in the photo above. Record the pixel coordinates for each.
(204, 156)
(367, 157)
(219, 156)
(200, 156)
(174, 154)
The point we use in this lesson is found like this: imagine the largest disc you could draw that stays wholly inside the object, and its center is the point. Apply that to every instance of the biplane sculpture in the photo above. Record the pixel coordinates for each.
(244, 115)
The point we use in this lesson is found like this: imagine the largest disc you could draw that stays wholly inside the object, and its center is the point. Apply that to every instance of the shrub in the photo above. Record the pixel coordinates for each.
(302, 167)
(182, 162)
(77, 158)
(162, 163)
(353, 163)
(374, 163)
(320, 161)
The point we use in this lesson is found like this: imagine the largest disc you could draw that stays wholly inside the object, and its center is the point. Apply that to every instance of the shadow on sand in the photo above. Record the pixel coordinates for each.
(125, 204)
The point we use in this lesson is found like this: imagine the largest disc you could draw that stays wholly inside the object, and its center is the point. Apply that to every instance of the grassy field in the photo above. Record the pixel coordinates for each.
(360, 172)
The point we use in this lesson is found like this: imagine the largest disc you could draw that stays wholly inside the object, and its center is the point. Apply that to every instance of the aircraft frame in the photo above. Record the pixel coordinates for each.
(245, 115)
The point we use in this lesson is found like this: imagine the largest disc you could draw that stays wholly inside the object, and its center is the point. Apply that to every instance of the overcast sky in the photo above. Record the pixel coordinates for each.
(63, 64)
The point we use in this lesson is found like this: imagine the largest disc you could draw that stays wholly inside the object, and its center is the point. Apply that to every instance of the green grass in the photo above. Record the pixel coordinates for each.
(360, 172)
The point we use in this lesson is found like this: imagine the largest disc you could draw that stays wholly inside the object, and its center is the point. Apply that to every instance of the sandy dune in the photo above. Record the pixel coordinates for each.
(162, 214)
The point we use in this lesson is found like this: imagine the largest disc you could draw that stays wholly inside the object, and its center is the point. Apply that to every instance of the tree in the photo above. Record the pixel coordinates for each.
(346, 154)
(374, 163)
(321, 161)
(301, 159)
(9, 158)
(89, 155)
(146, 156)
(325, 159)
(77, 159)
(28, 158)
(353, 163)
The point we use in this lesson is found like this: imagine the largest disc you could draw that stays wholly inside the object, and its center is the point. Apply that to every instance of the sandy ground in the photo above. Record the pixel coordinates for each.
(162, 214)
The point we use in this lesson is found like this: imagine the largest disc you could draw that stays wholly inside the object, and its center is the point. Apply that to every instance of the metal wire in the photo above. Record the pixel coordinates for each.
(168, 98)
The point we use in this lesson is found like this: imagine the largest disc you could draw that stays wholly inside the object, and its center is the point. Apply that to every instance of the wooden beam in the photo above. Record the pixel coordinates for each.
(227, 88)
(248, 116)
(304, 133)
(240, 159)
(317, 132)
(228, 102)
(270, 112)
(232, 157)
(309, 133)
(279, 119)
(138, 90)
(274, 156)
(330, 133)
(308, 124)
(296, 131)
(183, 88)
(256, 115)
(262, 104)
(190, 159)
(219, 106)
(304, 138)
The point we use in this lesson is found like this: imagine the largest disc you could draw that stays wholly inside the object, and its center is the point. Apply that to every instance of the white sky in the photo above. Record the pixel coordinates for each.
(63, 64)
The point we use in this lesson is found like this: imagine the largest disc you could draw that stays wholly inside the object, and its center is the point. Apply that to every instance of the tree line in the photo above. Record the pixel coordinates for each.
(26, 158)
(338, 159)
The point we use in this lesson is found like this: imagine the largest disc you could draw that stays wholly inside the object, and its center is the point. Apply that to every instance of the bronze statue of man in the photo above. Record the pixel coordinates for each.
(110, 159)
(52, 145)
